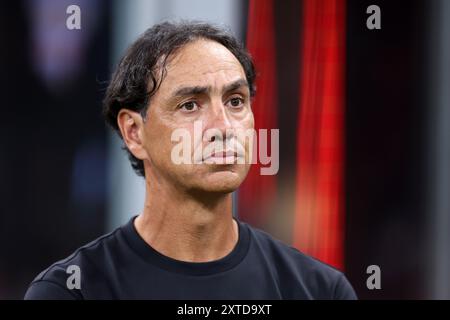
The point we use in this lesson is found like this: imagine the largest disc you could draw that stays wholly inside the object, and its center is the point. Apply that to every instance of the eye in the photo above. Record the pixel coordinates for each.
(189, 106)
(236, 102)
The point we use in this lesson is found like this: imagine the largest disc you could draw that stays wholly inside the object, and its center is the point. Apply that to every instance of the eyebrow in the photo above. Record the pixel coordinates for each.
(195, 90)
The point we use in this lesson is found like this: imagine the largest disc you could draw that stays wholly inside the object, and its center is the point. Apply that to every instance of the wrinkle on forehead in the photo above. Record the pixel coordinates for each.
(203, 58)
(199, 63)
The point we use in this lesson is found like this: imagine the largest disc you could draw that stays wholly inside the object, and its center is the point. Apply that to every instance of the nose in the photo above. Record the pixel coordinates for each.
(219, 122)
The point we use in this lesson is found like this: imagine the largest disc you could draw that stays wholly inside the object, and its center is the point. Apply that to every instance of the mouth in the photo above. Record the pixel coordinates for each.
(222, 157)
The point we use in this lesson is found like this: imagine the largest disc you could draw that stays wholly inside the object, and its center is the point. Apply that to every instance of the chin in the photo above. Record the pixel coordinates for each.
(221, 181)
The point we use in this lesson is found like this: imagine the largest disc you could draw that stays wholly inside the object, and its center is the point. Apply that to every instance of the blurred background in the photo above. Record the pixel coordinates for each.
(363, 114)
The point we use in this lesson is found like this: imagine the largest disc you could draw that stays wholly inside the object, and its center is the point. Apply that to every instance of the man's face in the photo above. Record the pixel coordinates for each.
(204, 84)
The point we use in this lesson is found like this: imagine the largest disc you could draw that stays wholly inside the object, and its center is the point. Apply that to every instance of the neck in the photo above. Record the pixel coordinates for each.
(185, 226)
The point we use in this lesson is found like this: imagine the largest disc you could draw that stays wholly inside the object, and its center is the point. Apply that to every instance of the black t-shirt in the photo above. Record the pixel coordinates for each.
(121, 265)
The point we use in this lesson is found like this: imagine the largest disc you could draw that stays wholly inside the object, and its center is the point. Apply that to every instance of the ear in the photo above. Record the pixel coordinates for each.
(131, 127)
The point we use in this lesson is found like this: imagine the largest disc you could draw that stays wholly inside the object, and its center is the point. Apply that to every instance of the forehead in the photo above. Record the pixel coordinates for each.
(202, 62)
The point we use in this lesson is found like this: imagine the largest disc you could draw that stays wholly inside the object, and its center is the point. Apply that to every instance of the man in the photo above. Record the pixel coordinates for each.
(186, 243)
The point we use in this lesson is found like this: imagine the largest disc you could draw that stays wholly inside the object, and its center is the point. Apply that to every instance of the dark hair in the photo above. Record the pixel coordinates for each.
(142, 68)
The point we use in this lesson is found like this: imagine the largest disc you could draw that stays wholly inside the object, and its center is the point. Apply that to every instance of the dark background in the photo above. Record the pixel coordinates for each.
(53, 176)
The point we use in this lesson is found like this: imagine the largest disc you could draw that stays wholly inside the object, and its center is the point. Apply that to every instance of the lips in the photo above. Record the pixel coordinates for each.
(219, 153)
(222, 155)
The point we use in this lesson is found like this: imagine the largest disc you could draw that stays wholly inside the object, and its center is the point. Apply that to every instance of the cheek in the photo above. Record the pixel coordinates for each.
(248, 121)
(157, 139)
(163, 139)
(246, 140)
(244, 125)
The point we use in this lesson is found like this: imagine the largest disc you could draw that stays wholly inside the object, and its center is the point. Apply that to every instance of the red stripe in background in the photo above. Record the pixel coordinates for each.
(257, 193)
(319, 216)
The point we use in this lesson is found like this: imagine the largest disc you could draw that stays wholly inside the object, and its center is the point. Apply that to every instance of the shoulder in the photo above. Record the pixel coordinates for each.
(297, 271)
(59, 281)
